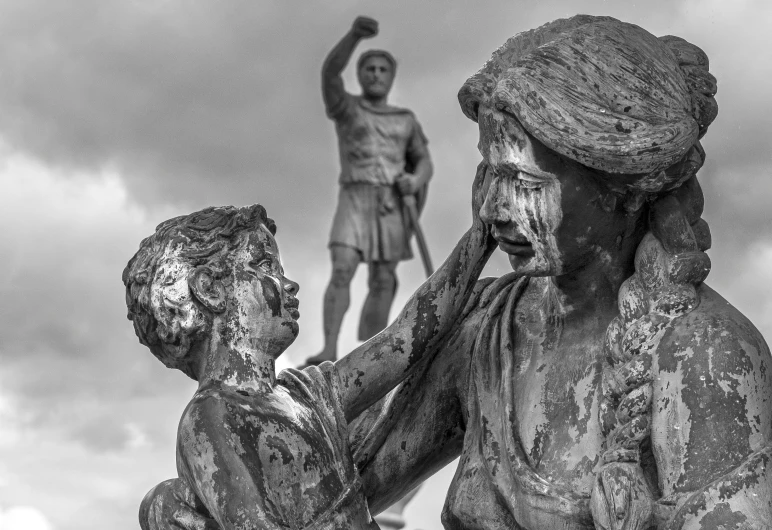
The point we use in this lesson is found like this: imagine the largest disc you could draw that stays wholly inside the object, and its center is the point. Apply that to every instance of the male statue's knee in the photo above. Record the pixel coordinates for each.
(342, 275)
(383, 282)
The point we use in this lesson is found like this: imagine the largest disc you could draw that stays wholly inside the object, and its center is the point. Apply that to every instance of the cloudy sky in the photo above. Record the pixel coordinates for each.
(118, 114)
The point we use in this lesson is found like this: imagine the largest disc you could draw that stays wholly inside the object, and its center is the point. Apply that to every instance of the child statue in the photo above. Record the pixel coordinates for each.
(207, 294)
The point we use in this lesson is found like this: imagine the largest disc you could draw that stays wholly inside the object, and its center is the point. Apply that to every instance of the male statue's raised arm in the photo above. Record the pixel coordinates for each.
(333, 90)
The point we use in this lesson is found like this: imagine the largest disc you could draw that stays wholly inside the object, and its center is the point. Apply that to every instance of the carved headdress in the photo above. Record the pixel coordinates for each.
(606, 94)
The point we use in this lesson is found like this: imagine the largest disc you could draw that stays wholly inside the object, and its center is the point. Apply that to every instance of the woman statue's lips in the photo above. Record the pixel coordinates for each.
(515, 246)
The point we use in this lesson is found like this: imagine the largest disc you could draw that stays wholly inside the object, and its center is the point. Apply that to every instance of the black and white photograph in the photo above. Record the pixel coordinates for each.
(420, 265)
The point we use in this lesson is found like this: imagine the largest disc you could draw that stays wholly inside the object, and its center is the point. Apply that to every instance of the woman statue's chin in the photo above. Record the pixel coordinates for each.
(531, 265)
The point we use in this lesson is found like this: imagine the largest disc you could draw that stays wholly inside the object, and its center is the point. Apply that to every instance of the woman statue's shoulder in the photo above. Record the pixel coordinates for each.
(715, 330)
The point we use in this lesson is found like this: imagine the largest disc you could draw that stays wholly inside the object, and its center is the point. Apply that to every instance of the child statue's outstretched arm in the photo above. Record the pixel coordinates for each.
(377, 366)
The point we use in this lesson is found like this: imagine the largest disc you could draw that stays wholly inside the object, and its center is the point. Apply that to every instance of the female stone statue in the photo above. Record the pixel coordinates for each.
(601, 384)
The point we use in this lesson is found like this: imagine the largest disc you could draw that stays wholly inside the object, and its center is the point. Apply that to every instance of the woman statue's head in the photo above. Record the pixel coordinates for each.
(584, 121)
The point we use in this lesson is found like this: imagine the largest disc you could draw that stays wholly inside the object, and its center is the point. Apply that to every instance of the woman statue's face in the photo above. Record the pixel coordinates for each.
(550, 214)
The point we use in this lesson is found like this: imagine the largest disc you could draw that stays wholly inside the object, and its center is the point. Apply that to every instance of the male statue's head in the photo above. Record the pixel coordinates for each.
(210, 281)
(584, 123)
(375, 72)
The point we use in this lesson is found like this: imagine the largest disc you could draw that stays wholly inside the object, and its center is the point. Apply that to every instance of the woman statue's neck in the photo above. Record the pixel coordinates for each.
(593, 287)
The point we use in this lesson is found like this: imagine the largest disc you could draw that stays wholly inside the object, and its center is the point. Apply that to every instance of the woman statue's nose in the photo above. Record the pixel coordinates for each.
(498, 207)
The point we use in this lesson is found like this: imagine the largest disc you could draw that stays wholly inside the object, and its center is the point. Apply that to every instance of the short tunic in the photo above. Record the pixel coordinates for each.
(375, 145)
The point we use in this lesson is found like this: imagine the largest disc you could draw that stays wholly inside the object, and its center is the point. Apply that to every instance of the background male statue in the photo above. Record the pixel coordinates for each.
(383, 156)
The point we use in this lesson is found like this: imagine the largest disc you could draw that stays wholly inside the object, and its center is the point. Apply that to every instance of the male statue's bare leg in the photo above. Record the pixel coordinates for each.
(336, 299)
(382, 282)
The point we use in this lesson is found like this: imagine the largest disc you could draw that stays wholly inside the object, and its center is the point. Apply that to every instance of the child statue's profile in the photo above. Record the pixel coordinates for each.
(207, 294)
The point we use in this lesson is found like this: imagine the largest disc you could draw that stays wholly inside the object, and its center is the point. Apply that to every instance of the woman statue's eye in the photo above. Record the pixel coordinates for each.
(529, 184)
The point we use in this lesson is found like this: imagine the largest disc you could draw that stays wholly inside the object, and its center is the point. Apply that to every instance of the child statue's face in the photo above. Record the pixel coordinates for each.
(265, 312)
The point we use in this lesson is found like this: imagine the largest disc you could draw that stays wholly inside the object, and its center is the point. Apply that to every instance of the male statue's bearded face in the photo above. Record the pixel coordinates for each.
(550, 214)
(376, 76)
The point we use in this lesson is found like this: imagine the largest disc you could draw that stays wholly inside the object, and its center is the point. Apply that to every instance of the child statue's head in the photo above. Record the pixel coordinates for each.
(211, 278)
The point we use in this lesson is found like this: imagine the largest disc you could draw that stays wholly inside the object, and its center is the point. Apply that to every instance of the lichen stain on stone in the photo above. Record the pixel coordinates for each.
(358, 380)
(201, 447)
(722, 516)
(753, 384)
(490, 447)
(734, 435)
(281, 450)
(670, 428)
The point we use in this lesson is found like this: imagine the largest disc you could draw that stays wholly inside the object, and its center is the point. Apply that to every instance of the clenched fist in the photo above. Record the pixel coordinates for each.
(365, 27)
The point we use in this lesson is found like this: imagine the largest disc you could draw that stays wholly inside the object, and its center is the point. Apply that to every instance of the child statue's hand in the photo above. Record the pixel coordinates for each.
(621, 498)
(172, 504)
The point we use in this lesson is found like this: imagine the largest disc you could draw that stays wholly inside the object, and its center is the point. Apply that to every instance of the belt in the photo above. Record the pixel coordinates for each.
(387, 195)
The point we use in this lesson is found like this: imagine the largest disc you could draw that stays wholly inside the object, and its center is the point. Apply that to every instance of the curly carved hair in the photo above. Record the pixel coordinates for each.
(166, 316)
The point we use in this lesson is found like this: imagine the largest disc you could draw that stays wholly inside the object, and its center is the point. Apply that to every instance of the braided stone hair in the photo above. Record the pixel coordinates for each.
(166, 316)
(670, 263)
